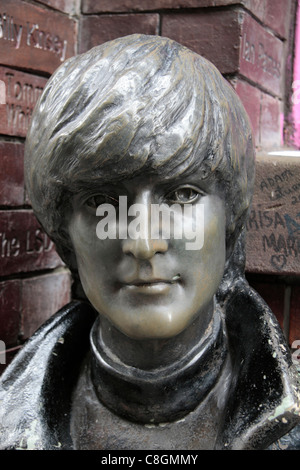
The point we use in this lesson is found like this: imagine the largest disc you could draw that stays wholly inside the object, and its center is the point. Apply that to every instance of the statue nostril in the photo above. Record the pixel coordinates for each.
(144, 248)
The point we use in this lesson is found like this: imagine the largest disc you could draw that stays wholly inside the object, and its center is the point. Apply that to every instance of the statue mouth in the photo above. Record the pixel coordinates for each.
(151, 286)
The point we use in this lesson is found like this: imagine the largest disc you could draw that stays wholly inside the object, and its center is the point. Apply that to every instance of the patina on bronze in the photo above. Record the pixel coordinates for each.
(168, 348)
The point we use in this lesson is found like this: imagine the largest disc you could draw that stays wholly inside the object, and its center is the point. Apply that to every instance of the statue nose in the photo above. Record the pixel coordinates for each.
(144, 248)
(148, 241)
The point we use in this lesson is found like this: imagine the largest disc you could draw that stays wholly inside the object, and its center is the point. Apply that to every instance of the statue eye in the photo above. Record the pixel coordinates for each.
(184, 195)
(98, 199)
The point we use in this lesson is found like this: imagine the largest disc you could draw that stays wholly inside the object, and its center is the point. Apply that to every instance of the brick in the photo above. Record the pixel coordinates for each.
(106, 6)
(99, 29)
(11, 174)
(257, 7)
(42, 296)
(273, 13)
(34, 38)
(213, 34)
(264, 112)
(261, 55)
(67, 6)
(24, 246)
(22, 90)
(10, 306)
(273, 237)
(250, 97)
(277, 15)
(233, 41)
(270, 136)
(295, 315)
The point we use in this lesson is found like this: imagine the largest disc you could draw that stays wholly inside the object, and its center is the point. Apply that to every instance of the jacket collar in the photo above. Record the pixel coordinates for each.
(264, 403)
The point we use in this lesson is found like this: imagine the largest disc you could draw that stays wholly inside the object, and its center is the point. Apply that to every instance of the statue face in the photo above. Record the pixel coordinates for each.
(147, 287)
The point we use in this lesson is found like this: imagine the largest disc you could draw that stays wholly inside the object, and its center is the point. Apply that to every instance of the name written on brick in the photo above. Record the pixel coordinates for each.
(257, 54)
(22, 90)
(32, 242)
(274, 220)
(24, 246)
(261, 55)
(31, 35)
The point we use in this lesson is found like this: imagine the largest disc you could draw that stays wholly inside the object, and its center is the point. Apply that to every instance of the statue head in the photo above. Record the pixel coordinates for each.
(145, 118)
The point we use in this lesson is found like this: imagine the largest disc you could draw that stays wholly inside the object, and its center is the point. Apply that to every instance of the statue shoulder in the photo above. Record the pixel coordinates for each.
(35, 388)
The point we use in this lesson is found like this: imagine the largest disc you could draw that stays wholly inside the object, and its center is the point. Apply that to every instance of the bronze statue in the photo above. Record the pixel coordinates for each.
(168, 346)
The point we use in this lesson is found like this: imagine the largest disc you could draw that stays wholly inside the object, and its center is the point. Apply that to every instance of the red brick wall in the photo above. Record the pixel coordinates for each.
(34, 40)
(250, 41)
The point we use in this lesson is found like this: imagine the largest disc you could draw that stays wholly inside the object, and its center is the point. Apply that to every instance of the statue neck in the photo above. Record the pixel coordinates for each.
(149, 386)
(150, 354)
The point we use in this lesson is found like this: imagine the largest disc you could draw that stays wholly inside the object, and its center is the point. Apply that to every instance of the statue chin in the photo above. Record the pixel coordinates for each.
(139, 164)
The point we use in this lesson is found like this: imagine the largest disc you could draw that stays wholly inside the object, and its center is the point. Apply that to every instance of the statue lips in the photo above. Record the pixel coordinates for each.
(150, 286)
